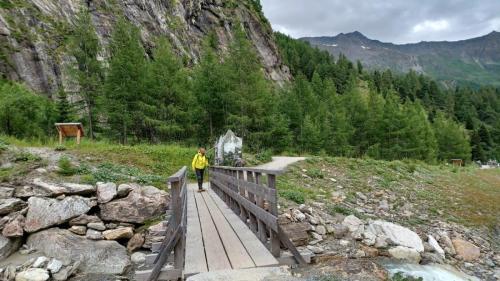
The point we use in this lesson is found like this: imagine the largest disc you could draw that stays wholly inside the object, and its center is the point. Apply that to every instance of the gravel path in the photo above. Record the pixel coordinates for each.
(280, 163)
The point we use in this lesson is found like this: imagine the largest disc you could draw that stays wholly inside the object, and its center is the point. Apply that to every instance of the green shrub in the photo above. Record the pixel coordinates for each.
(60, 148)
(315, 173)
(26, 157)
(293, 195)
(264, 156)
(66, 168)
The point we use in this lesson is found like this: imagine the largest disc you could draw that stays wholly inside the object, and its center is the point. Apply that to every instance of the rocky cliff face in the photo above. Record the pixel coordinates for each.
(33, 33)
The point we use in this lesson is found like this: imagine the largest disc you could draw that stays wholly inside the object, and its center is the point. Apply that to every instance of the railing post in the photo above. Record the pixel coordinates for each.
(251, 198)
(273, 207)
(260, 202)
(177, 216)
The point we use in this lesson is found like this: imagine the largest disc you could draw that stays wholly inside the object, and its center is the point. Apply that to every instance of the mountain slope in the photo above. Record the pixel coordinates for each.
(33, 33)
(472, 61)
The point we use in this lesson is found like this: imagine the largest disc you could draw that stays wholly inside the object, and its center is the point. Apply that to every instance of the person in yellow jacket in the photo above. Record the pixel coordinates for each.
(200, 162)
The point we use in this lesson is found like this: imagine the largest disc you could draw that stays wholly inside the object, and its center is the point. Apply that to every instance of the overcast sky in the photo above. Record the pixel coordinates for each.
(398, 21)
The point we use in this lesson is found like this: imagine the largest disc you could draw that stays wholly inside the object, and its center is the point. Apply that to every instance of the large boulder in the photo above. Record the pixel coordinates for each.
(397, 235)
(101, 257)
(105, 192)
(8, 246)
(141, 204)
(466, 250)
(10, 205)
(46, 212)
(42, 188)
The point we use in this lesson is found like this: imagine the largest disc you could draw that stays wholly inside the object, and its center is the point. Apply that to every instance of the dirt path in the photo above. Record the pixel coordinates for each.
(280, 163)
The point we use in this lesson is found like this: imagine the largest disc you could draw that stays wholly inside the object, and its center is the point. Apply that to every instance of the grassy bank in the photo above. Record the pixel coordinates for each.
(466, 195)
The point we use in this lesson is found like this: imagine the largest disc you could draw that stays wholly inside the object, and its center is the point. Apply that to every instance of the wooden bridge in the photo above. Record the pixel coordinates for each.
(233, 225)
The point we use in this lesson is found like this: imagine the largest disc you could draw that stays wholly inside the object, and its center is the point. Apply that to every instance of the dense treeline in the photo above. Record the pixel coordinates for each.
(332, 106)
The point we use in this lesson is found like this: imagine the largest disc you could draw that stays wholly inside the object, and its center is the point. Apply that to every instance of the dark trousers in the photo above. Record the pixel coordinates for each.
(199, 177)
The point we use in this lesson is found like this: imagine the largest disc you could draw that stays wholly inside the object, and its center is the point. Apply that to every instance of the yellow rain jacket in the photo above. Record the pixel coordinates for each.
(199, 161)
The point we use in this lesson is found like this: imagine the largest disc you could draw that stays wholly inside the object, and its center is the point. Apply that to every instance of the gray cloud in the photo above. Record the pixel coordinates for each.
(399, 21)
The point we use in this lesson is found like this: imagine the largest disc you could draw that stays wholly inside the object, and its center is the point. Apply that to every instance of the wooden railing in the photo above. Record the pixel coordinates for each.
(175, 235)
(251, 193)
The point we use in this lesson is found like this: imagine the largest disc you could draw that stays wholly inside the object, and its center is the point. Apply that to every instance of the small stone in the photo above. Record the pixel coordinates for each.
(138, 258)
(6, 192)
(316, 236)
(369, 238)
(466, 250)
(10, 205)
(344, 243)
(405, 253)
(14, 228)
(33, 274)
(93, 234)
(340, 230)
(370, 252)
(84, 220)
(329, 229)
(78, 229)
(384, 205)
(305, 209)
(445, 240)
(111, 225)
(298, 215)
(105, 192)
(435, 246)
(54, 266)
(40, 262)
(361, 196)
(321, 230)
(66, 272)
(429, 258)
(316, 249)
(135, 242)
(124, 189)
(97, 226)
(313, 220)
(119, 233)
(359, 254)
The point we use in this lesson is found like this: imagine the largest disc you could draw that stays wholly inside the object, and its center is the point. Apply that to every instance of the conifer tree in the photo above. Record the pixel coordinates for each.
(87, 72)
(64, 108)
(452, 139)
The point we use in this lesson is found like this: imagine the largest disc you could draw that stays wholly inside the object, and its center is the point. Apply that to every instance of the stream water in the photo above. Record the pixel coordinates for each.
(430, 272)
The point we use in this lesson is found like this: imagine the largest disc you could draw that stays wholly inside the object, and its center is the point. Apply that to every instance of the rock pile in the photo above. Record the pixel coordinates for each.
(76, 227)
(313, 229)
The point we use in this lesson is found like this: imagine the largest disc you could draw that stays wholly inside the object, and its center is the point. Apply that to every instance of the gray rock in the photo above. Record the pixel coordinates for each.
(106, 257)
(93, 234)
(435, 246)
(84, 220)
(445, 240)
(33, 274)
(369, 238)
(8, 246)
(40, 262)
(339, 230)
(66, 272)
(316, 249)
(96, 225)
(105, 192)
(43, 188)
(321, 230)
(297, 215)
(6, 192)
(381, 242)
(405, 253)
(14, 228)
(135, 242)
(397, 235)
(54, 266)
(46, 212)
(383, 205)
(356, 226)
(140, 205)
(124, 189)
(430, 258)
(10, 205)
(138, 258)
(78, 229)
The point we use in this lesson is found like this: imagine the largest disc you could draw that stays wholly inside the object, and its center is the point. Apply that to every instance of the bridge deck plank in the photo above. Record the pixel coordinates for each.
(235, 250)
(214, 249)
(196, 261)
(259, 253)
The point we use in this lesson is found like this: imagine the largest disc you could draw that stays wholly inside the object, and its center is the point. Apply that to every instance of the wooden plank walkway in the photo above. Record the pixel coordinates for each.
(217, 239)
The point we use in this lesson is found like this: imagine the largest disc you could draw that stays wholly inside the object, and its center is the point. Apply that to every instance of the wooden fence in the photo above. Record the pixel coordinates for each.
(251, 193)
(175, 235)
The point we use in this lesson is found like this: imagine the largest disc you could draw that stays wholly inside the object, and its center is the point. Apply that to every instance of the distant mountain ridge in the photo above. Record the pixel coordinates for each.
(473, 61)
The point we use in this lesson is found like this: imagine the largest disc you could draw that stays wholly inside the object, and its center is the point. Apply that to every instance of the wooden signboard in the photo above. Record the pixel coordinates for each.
(70, 130)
